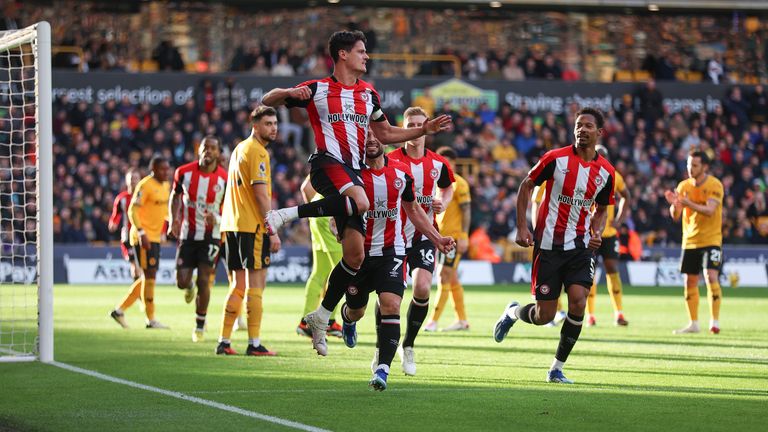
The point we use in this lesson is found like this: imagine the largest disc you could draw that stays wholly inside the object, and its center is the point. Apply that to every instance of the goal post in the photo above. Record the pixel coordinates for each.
(26, 195)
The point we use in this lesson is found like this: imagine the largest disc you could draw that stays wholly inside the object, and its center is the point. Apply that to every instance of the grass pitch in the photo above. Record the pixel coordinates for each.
(636, 378)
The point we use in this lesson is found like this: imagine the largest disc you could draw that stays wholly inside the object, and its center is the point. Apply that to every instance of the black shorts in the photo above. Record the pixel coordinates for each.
(553, 268)
(694, 261)
(451, 259)
(127, 251)
(147, 259)
(330, 178)
(244, 252)
(609, 248)
(380, 274)
(421, 255)
(195, 253)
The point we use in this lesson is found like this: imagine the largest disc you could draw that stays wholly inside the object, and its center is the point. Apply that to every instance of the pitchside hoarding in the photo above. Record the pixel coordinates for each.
(83, 264)
(240, 90)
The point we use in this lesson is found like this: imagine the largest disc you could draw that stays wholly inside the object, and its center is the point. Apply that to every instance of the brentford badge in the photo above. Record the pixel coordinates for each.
(364, 96)
(352, 290)
(544, 289)
(398, 183)
(434, 173)
(598, 181)
(217, 188)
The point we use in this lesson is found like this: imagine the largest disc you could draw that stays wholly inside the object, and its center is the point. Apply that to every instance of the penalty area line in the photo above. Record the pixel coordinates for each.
(188, 398)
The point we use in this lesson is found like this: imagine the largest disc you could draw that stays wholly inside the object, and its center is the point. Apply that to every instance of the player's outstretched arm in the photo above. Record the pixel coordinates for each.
(423, 224)
(388, 134)
(524, 237)
(278, 96)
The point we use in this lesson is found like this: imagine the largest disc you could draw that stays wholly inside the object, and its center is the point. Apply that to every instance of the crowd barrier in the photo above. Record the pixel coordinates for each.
(87, 264)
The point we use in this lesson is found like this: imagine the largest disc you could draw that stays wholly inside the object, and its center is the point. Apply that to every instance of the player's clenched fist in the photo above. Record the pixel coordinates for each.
(300, 93)
(524, 237)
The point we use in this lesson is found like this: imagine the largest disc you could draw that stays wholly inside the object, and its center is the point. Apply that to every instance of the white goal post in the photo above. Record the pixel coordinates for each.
(26, 195)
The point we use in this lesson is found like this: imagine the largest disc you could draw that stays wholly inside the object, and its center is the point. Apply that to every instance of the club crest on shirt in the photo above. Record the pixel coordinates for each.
(365, 96)
(434, 173)
(217, 188)
(598, 181)
(398, 183)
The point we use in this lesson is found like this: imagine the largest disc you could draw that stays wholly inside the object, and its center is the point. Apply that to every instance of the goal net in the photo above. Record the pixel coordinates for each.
(26, 218)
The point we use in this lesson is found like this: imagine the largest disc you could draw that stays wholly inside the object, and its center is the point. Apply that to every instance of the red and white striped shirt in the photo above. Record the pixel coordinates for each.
(573, 186)
(340, 116)
(386, 188)
(120, 214)
(201, 192)
(429, 172)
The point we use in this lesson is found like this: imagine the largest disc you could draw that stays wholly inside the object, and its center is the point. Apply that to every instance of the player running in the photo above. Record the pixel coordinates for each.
(433, 183)
(389, 186)
(341, 110)
(195, 220)
(566, 236)
(148, 212)
(454, 222)
(609, 250)
(120, 219)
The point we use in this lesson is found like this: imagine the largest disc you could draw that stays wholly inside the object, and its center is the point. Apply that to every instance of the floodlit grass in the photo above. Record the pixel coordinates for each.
(636, 378)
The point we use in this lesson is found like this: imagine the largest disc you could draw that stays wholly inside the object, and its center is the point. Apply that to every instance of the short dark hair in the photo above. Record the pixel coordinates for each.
(447, 153)
(344, 40)
(701, 155)
(156, 160)
(261, 111)
(211, 138)
(594, 112)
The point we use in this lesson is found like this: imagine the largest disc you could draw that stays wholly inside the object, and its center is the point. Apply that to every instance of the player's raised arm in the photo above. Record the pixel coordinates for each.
(388, 134)
(280, 96)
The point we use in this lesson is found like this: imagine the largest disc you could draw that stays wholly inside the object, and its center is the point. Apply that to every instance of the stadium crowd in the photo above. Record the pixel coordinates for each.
(524, 44)
(96, 144)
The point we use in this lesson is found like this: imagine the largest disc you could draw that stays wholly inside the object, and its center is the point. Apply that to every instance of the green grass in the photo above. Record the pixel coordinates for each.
(636, 378)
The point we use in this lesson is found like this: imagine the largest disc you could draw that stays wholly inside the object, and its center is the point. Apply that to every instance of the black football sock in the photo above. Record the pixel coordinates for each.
(377, 313)
(527, 313)
(338, 205)
(338, 282)
(389, 335)
(569, 334)
(417, 313)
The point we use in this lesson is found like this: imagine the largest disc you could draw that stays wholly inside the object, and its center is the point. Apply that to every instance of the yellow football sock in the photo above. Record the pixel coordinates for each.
(715, 296)
(231, 310)
(255, 310)
(148, 298)
(443, 291)
(692, 302)
(559, 305)
(590, 299)
(614, 290)
(133, 295)
(458, 301)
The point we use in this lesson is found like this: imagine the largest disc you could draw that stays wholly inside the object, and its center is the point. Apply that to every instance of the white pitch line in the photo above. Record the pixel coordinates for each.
(188, 398)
